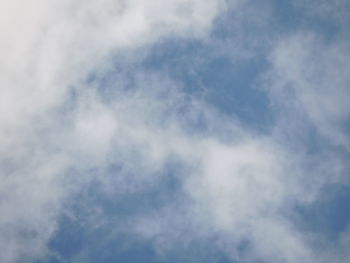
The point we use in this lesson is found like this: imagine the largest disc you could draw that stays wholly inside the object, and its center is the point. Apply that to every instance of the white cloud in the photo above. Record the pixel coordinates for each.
(308, 82)
(55, 125)
(46, 49)
(316, 75)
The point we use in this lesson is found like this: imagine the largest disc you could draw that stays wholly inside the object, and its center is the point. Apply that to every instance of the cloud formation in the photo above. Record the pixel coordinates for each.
(79, 111)
(51, 120)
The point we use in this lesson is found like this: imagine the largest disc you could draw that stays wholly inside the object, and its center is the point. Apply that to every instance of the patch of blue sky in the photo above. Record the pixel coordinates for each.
(329, 216)
(79, 240)
(77, 237)
(230, 86)
(289, 17)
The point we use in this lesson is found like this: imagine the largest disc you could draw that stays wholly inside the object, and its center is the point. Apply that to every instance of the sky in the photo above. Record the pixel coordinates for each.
(168, 131)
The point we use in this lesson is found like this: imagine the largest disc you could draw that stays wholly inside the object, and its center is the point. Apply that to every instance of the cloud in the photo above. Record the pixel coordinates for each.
(248, 190)
(315, 74)
(78, 111)
(307, 81)
(51, 122)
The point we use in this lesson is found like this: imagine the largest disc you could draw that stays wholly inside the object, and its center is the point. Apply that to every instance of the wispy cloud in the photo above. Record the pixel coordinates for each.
(79, 111)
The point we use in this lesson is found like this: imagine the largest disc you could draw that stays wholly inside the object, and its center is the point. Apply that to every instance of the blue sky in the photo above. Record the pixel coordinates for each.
(174, 131)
